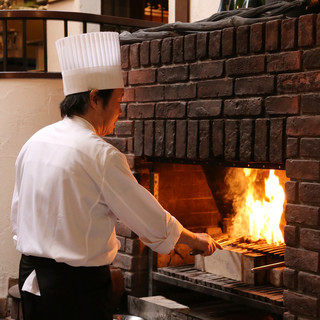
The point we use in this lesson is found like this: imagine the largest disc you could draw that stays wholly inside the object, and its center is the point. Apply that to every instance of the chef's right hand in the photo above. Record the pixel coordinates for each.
(206, 244)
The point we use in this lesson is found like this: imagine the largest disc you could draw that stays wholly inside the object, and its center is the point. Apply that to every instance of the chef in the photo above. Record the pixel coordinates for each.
(72, 186)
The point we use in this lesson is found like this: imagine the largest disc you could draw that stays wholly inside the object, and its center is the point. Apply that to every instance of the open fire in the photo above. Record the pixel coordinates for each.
(258, 202)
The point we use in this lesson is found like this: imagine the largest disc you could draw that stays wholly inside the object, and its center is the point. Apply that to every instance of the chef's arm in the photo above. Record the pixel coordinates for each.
(199, 241)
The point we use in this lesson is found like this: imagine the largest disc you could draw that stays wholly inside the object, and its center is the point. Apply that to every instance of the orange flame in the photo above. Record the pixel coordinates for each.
(259, 216)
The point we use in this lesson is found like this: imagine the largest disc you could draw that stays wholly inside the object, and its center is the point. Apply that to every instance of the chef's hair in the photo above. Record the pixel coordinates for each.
(77, 103)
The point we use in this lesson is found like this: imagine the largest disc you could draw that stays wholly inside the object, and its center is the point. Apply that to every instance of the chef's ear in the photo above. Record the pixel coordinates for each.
(93, 98)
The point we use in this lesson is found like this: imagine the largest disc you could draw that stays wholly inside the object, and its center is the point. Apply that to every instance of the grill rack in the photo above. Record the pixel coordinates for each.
(263, 297)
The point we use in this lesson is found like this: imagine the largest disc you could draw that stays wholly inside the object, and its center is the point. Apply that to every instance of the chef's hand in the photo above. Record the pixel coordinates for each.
(201, 242)
(206, 244)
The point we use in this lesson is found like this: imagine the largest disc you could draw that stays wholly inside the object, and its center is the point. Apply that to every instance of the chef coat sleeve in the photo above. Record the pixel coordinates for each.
(137, 208)
(14, 213)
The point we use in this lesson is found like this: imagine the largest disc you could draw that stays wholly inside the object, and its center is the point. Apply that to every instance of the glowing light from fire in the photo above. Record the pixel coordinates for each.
(259, 216)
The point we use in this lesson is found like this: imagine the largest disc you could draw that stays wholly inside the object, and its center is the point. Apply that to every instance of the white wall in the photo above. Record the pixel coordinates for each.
(199, 9)
(26, 105)
(56, 28)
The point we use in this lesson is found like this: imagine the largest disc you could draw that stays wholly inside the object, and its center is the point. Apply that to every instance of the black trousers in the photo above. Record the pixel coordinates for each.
(67, 293)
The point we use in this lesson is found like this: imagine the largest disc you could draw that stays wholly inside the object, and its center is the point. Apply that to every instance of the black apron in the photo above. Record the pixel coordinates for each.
(67, 292)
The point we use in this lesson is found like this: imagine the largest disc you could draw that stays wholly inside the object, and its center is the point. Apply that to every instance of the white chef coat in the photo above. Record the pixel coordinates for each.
(71, 186)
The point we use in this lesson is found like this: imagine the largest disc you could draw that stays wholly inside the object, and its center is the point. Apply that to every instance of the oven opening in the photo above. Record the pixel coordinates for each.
(242, 209)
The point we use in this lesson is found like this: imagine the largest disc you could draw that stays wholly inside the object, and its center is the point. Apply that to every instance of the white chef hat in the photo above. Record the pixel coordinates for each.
(90, 61)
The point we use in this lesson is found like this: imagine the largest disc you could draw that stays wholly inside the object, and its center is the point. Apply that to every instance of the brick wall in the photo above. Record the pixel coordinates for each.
(241, 95)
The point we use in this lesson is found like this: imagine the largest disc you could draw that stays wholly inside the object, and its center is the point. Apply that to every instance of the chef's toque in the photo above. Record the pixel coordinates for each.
(90, 61)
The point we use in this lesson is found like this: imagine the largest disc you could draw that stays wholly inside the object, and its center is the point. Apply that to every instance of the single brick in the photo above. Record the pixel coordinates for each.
(159, 141)
(302, 214)
(142, 76)
(131, 263)
(135, 55)
(148, 137)
(306, 30)
(202, 40)
(206, 70)
(125, 61)
(256, 37)
(124, 128)
(130, 148)
(317, 30)
(311, 59)
(231, 139)
(303, 126)
(309, 283)
(246, 140)
(303, 169)
(125, 78)
(181, 138)
(168, 110)
(145, 53)
(128, 95)
(302, 259)
(309, 193)
(243, 107)
(204, 108)
(290, 278)
(301, 305)
(310, 147)
(123, 115)
(284, 61)
(173, 74)
(255, 85)
(243, 39)
(166, 51)
(215, 88)
(310, 239)
(177, 49)
(291, 236)
(245, 65)
(217, 138)
(170, 138)
(288, 34)
(261, 140)
(272, 35)
(228, 42)
(204, 139)
(276, 148)
(119, 143)
(190, 47)
(122, 241)
(155, 51)
(298, 82)
(180, 91)
(192, 144)
(292, 148)
(310, 103)
(140, 111)
(277, 105)
(291, 188)
(153, 93)
(138, 138)
(215, 44)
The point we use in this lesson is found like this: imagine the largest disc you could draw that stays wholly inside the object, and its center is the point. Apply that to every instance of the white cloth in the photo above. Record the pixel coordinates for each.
(71, 186)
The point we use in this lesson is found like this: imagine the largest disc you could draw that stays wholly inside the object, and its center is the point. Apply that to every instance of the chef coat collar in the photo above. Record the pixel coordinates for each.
(81, 121)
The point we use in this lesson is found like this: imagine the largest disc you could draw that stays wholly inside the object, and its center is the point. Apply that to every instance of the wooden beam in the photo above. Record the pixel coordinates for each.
(182, 10)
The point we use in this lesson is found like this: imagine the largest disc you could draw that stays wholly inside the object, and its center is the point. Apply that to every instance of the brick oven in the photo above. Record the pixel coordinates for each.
(237, 97)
